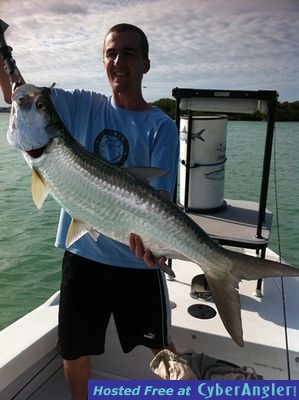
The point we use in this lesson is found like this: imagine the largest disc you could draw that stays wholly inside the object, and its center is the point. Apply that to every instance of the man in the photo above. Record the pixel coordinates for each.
(105, 277)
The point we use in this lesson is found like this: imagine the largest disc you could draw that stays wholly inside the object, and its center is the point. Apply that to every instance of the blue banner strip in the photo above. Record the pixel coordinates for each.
(192, 390)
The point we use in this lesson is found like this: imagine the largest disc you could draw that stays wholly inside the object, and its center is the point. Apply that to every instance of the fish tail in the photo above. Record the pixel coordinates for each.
(225, 290)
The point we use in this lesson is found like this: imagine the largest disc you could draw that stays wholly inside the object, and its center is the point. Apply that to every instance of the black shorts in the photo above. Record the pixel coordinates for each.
(91, 292)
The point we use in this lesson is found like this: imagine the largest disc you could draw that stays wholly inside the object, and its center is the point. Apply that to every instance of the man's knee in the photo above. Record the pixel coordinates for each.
(80, 364)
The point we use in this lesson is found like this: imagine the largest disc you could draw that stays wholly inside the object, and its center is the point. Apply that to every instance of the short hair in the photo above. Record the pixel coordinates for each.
(128, 27)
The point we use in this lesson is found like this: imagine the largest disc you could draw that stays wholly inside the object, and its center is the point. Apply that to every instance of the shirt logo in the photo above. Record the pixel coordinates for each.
(112, 146)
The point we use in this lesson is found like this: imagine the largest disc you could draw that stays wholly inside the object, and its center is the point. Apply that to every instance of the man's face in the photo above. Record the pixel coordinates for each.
(124, 62)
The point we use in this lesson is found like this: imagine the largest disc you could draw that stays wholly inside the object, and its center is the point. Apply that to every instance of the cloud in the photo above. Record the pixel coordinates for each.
(67, 8)
(234, 44)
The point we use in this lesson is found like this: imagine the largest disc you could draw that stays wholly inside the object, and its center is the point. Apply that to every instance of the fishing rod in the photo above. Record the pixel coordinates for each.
(10, 65)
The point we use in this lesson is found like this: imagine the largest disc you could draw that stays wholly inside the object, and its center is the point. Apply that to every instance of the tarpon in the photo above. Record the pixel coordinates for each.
(106, 199)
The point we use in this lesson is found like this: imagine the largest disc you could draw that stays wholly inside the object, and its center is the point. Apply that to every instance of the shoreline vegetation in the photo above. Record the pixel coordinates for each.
(4, 109)
(286, 111)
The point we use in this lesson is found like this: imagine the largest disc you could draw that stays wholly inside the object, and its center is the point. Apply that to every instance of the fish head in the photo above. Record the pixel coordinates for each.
(32, 119)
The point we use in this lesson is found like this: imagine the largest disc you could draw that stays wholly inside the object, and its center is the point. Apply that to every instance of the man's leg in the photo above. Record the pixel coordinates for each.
(83, 318)
(77, 373)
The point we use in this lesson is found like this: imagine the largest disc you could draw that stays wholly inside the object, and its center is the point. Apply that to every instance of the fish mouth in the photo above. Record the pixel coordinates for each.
(35, 153)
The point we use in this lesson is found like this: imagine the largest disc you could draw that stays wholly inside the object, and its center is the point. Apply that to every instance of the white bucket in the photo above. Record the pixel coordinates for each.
(207, 160)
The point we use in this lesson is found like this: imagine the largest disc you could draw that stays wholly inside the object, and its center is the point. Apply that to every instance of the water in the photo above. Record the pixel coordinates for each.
(30, 264)
(245, 147)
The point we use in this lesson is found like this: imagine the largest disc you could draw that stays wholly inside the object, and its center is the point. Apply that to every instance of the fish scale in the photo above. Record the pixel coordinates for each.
(69, 176)
(115, 202)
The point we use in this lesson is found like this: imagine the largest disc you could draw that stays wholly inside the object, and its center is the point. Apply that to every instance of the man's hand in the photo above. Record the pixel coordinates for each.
(6, 82)
(136, 246)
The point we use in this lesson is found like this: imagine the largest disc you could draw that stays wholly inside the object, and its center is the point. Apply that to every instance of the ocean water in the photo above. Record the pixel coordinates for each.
(29, 262)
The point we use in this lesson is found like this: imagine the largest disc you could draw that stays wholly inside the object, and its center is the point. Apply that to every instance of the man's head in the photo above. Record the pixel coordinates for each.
(125, 56)
(144, 46)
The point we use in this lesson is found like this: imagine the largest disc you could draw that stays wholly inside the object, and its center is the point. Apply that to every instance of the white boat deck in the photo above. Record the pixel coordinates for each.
(263, 325)
(36, 364)
(236, 223)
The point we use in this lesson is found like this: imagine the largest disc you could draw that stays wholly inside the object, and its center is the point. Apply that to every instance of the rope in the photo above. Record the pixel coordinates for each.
(196, 165)
(279, 253)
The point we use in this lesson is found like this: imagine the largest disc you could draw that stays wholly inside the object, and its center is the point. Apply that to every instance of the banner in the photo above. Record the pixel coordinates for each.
(192, 390)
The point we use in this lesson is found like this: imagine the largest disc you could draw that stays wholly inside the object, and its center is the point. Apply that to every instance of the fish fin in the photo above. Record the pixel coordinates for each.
(176, 256)
(251, 268)
(39, 188)
(146, 173)
(226, 297)
(77, 229)
(225, 290)
(166, 268)
(94, 234)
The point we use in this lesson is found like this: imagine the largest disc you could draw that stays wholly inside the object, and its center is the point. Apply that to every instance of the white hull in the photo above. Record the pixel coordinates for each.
(30, 367)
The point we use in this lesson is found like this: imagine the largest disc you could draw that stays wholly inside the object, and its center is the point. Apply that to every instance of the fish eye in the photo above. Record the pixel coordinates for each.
(40, 106)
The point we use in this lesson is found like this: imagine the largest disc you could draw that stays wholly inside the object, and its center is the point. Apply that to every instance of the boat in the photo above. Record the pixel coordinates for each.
(30, 366)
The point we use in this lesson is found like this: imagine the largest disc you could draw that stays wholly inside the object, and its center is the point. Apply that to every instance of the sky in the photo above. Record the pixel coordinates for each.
(199, 44)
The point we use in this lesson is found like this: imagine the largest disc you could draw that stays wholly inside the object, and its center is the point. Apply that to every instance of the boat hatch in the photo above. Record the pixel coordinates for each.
(201, 311)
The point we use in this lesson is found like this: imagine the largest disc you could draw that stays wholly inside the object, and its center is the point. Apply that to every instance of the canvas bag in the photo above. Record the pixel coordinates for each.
(194, 366)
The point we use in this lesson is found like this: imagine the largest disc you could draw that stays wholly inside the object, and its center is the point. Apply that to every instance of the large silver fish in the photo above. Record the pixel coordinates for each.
(103, 198)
